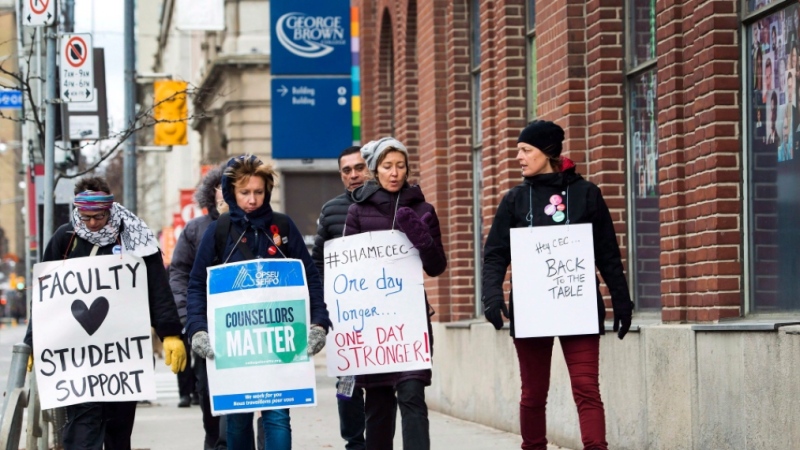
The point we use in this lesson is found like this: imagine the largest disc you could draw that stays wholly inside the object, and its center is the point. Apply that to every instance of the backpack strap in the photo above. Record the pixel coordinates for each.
(282, 222)
(243, 248)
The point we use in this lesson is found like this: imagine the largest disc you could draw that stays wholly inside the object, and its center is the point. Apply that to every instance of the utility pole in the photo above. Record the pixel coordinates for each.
(129, 161)
(52, 99)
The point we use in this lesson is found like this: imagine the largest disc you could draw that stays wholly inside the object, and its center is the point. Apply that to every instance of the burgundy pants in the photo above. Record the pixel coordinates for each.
(582, 354)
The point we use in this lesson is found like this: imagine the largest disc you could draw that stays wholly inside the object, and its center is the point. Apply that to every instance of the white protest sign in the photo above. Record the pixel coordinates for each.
(91, 331)
(553, 276)
(376, 299)
(258, 322)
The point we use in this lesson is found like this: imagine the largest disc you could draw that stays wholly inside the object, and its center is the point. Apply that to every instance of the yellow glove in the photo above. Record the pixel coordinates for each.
(30, 363)
(174, 353)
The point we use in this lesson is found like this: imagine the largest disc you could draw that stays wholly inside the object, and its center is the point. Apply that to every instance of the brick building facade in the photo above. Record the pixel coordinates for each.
(662, 104)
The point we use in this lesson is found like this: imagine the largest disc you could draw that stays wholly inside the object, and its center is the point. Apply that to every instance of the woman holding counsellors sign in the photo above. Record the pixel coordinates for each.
(389, 203)
(253, 233)
(553, 194)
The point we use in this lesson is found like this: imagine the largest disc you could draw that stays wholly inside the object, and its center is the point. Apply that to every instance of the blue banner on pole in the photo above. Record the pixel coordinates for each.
(310, 37)
(10, 99)
(311, 117)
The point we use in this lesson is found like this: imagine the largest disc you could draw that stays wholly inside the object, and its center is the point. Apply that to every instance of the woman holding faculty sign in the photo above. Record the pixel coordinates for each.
(553, 194)
(386, 203)
(246, 187)
(100, 226)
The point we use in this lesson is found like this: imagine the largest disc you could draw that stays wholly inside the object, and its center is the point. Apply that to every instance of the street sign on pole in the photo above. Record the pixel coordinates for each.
(77, 70)
(36, 13)
(311, 117)
(10, 99)
(89, 120)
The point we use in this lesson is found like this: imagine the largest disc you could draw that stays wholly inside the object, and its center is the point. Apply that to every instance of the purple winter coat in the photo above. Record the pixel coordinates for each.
(374, 210)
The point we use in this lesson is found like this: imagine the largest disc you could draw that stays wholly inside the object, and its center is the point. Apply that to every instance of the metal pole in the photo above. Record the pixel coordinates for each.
(50, 133)
(16, 374)
(129, 160)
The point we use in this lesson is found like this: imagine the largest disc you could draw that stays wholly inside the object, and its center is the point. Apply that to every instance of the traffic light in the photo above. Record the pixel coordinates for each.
(171, 112)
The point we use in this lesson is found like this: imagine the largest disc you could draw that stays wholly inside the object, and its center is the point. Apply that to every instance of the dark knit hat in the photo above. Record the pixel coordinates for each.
(544, 135)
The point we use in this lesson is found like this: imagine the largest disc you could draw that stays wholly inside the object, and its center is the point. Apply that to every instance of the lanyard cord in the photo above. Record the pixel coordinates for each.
(529, 217)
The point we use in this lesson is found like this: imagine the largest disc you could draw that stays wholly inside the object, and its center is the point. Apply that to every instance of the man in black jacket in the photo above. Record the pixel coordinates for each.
(354, 172)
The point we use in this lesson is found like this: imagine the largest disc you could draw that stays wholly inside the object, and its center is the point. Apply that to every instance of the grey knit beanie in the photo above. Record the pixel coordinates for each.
(372, 151)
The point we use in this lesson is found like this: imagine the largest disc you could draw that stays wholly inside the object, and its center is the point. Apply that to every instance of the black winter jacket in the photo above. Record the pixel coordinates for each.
(330, 226)
(183, 259)
(163, 314)
(586, 205)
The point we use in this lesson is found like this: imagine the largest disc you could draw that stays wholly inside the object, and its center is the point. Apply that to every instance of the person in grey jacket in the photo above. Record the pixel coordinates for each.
(354, 172)
(209, 196)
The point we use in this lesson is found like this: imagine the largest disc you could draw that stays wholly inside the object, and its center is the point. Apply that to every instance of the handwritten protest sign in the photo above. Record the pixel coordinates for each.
(91, 331)
(258, 320)
(553, 275)
(376, 299)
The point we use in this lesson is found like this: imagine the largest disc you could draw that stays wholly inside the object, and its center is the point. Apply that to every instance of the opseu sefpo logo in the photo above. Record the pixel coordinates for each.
(310, 36)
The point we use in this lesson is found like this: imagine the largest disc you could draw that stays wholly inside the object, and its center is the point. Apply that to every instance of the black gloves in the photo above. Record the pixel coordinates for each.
(622, 323)
(492, 310)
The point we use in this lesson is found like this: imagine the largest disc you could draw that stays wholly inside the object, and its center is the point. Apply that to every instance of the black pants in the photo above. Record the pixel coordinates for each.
(186, 379)
(380, 408)
(352, 420)
(213, 426)
(91, 425)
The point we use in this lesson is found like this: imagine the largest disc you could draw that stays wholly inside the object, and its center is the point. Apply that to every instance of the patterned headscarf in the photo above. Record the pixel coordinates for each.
(93, 201)
(135, 238)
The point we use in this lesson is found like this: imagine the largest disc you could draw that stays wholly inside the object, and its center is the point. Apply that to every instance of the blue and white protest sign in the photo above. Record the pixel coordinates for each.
(10, 99)
(91, 331)
(376, 300)
(310, 37)
(553, 277)
(258, 321)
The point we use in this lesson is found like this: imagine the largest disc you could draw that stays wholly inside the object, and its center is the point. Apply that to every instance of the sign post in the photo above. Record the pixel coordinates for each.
(36, 13)
(77, 70)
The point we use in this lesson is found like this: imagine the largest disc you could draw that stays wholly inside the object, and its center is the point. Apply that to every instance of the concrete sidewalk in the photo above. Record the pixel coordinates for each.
(164, 426)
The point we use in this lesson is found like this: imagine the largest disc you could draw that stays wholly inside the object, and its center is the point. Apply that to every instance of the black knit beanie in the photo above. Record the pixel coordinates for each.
(544, 135)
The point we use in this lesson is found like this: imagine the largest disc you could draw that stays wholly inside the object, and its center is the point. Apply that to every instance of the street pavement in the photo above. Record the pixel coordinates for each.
(161, 425)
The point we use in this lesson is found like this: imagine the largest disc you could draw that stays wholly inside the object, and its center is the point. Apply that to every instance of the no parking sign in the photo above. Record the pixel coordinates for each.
(77, 69)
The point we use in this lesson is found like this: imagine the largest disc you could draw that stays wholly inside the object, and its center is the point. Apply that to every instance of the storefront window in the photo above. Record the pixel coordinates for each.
(642, 31)
(644, 266)
(774, 161)
(644, 152)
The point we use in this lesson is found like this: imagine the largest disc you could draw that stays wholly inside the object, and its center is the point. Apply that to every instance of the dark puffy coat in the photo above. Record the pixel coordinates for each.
(330, 226)
(586, 205)
(163, 314)
(374, 210)
(183, 259)
(257, 237)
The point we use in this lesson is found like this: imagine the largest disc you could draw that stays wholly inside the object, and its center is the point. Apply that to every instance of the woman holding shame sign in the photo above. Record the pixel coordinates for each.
(386, 203)
(553, 194)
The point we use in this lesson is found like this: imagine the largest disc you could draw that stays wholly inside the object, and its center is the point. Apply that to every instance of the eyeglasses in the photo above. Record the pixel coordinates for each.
(358, 168)
(98, 217)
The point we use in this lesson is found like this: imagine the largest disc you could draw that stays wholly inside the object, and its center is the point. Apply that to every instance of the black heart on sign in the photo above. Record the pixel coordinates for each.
(90, 318)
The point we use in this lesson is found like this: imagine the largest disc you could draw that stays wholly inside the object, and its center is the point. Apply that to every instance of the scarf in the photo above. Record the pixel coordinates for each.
(136, 237)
